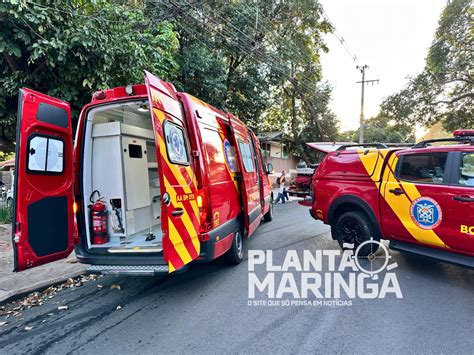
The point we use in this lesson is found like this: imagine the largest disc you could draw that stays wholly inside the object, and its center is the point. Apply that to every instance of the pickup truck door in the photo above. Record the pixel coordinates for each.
(252, 209)
(43, 217)
(178, 186)
(413, 197)
(460, 204)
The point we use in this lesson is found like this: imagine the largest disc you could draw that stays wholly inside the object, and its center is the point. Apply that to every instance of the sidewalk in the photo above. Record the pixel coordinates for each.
(14, 284)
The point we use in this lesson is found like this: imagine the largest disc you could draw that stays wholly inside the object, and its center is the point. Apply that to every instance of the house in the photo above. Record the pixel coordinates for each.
(276, 150)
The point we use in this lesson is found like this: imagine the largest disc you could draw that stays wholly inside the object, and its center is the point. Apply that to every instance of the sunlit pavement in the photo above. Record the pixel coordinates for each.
(205, 310)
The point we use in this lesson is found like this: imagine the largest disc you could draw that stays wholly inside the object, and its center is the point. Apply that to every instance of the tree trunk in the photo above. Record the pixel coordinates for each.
(310, 109)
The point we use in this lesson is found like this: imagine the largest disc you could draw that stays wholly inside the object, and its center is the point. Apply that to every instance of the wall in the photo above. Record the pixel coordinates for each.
(280, 164)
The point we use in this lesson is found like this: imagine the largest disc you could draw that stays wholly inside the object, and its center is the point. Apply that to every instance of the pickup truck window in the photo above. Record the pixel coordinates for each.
(422, 168)
(466, 177)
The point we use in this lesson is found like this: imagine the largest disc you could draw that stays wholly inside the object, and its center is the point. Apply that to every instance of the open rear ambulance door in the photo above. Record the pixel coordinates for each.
(179, 208)
(252, 209)
(43, 217)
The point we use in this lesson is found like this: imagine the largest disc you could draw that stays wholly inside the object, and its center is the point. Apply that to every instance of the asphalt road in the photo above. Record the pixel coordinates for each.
(205, 310)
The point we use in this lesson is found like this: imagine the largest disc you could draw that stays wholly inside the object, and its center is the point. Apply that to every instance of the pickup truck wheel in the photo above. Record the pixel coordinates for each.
(268, 217)
(235, 255)
(352, 229)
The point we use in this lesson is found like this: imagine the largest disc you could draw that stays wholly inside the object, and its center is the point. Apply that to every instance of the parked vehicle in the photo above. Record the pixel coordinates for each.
(300, 184)
(10, 198)
(157, 179)
(420, 198)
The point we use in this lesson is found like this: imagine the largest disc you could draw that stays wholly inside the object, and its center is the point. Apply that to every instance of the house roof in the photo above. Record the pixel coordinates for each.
(7, 163)
(274, 136)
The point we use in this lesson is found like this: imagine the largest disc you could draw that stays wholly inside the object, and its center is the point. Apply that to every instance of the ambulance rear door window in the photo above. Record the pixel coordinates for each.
(176, 144)
(45, 155)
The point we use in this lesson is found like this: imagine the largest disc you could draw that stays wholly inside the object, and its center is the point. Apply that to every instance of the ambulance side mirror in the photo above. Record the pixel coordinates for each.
(269, 168)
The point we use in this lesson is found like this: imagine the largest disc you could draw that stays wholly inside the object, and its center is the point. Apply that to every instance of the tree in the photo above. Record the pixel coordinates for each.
(254, 58)
(70, 49)
(444, 91)
(381, 129)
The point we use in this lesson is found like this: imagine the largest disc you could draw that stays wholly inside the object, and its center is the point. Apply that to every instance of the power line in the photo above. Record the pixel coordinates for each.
(248, 46)
(339, 36)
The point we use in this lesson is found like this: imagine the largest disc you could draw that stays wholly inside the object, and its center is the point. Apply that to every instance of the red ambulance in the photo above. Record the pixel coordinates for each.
(156, 179)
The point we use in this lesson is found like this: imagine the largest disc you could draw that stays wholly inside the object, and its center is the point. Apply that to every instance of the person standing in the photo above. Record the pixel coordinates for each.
(281, 189)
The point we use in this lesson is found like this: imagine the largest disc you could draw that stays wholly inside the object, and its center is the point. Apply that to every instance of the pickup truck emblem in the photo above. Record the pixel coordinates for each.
(426, 213)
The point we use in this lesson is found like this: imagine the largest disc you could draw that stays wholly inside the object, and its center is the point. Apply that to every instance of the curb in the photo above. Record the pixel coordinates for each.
(10, 296)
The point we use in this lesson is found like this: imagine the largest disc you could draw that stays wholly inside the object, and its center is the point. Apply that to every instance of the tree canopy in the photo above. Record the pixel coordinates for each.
(68, 49)
(444, 91)
(381, 129)
(259, 60)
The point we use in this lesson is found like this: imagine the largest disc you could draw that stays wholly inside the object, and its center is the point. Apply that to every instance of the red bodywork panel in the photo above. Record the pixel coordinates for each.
(43, 223)
(248, 165)
(367, 179)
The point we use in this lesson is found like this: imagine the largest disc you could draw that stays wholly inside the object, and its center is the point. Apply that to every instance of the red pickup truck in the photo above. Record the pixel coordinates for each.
(420, 198)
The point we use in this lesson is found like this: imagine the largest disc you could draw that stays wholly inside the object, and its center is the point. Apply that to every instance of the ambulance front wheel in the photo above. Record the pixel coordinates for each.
(351, 229)
(235, 255)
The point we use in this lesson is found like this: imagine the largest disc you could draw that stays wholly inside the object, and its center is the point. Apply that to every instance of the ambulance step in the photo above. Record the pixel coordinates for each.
(447, 257)
(146, 270)
(157, 249)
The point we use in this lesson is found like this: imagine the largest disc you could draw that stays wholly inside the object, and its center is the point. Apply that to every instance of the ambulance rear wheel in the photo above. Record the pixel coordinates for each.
(268, 217)
(235, 255)
(351, 229)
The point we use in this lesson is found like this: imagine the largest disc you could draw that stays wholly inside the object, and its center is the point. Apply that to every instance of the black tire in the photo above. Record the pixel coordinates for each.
(352, 229)
(235, 255)
(268, 217)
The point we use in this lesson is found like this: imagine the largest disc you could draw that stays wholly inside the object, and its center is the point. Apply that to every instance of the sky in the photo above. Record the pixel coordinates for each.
(391, 36)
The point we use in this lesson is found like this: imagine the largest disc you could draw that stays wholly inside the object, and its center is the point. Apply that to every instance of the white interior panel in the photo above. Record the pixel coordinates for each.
(107, 169)
(136, 174)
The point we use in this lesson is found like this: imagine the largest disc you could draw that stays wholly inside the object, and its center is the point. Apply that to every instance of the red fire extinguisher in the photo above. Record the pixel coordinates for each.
(98, 220)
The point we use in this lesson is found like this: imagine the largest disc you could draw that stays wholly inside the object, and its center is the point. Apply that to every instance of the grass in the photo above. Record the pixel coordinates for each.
(6, 214)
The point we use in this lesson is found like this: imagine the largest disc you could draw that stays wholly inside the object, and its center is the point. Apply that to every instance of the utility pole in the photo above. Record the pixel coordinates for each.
(363, 82)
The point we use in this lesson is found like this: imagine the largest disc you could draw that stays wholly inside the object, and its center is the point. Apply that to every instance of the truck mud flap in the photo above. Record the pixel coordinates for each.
(447, 257)
(144, 270)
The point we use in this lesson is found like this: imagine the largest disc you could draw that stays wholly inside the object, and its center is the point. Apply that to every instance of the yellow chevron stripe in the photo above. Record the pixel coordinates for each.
(171, 268)
(162, 117)
(190, 227)
(191, 174)
(174, 236)
(401, 204)
(178, 244)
